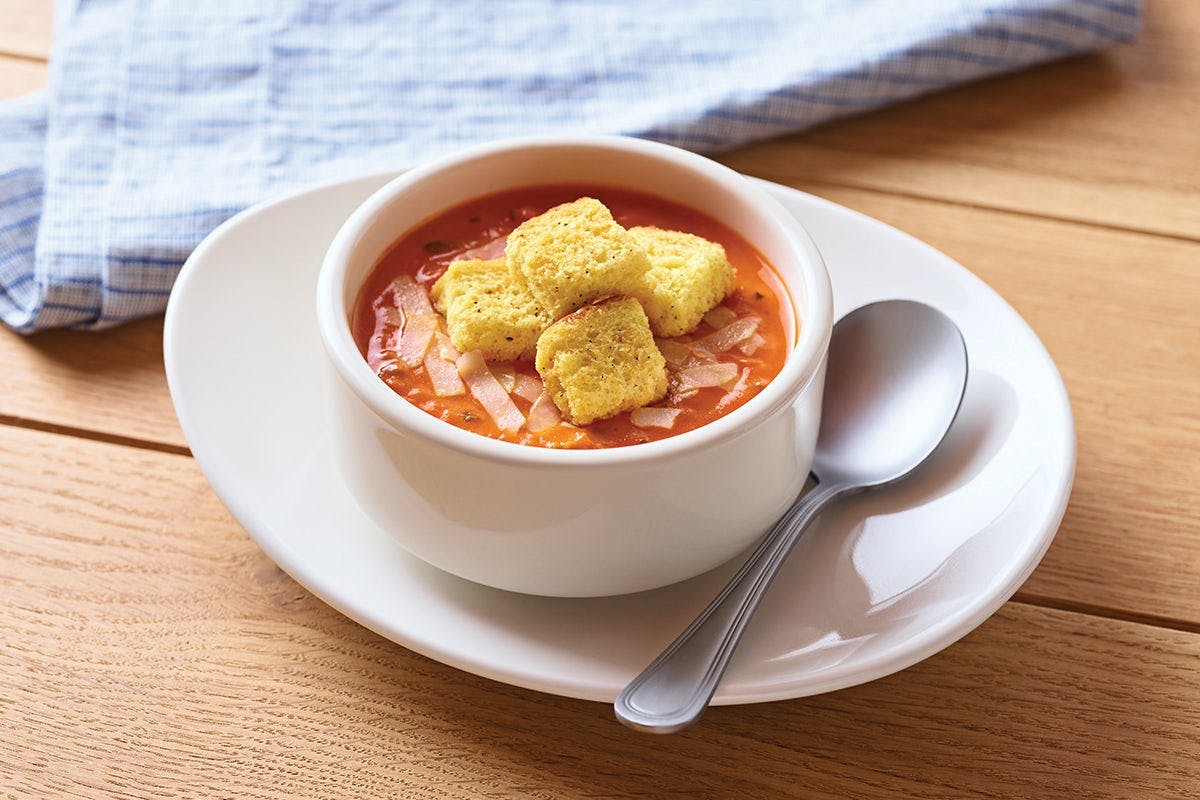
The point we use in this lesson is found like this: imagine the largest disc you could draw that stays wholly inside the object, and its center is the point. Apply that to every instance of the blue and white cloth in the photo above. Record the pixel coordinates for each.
(165, 117)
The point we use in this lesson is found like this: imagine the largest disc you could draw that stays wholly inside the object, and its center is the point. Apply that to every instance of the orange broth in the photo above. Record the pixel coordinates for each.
(478, 228)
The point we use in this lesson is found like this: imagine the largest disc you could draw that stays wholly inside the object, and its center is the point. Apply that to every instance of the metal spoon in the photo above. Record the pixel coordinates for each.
(896, 376)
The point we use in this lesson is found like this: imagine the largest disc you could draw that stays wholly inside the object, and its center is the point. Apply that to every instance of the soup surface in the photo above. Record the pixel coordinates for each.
(478, 229)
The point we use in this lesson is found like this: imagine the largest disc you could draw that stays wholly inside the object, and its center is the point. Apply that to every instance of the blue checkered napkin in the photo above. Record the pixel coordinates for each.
(22, 140)
(165, 118)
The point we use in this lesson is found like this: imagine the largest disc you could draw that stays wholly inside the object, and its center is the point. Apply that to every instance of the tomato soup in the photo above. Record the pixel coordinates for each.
(478, 229)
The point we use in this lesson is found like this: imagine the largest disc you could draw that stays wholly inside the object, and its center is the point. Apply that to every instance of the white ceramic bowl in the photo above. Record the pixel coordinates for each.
(574, 523)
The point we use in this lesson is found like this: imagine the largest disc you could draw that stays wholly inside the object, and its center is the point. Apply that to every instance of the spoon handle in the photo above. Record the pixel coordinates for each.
(672, 693)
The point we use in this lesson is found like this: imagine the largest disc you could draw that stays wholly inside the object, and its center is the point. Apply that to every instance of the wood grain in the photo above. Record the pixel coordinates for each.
(19, 76)
(150, 649)
(25, 28)
(106, 384)
(1105, 138)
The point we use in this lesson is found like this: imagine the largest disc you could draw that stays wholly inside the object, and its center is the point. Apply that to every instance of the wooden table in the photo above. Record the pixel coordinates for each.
(148, 648)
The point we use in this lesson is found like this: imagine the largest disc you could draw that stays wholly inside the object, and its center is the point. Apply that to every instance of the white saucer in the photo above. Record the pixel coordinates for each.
(879, 584)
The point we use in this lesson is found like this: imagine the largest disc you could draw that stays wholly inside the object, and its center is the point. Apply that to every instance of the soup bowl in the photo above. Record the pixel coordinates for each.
(574, 523)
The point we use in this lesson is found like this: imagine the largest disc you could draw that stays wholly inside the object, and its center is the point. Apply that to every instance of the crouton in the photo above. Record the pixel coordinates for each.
(601, 360)
(687, 277)
(573, 254)
(486, 311)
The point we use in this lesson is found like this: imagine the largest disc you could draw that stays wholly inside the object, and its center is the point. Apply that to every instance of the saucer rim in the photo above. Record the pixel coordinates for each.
(913, 650)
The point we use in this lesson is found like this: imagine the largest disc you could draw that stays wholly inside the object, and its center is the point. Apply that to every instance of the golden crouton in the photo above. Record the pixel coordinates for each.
(601, 360)
(688, 276)
(485, 310)
(573, 254)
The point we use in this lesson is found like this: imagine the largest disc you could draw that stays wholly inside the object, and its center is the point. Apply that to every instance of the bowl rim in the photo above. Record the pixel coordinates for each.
(800, 367)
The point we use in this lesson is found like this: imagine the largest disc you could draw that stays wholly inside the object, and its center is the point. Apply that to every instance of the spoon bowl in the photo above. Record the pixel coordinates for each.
(896, 376)
(895, 381)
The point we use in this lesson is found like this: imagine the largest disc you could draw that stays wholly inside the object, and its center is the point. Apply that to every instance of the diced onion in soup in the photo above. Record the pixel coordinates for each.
(505, 374)
(704, 376)
(446, 348)
(735, 391)
(411, 296)
(487, 390)
(731, 335)
(528, 387)
(720, 316)
(652, 417)
(383, 340)
(543, 414)
(676, 353)
(443, 375)
(486, 252)
(414, 341)
(751, 345)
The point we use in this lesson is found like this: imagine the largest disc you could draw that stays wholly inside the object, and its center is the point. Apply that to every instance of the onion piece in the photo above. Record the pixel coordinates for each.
(487, 252)
(446, 347)
(676, 353)
(751, 345)
(505, 373)
(735, 391)
(487, 390)
(732, 334)
(528, 387)
(443, 375)
(654, 417)
(720, 316)
(383, 340)
(704, 376)
(414, 341)
(411, 297)
(543, 414)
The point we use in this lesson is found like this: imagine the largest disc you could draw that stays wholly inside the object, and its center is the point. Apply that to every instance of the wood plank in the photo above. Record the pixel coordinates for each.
(108, 383)
(1107, 138)
(1116, 310)
(149, 648)
(19, 76)
(26, 28)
